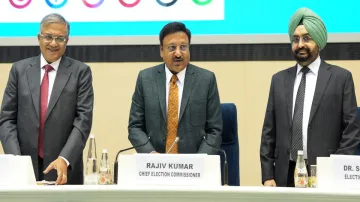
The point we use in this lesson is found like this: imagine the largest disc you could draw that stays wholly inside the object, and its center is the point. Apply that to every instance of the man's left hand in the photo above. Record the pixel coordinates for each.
(61, 167)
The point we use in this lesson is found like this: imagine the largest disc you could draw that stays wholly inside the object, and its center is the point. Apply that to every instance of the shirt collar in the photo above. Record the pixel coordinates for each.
(43, 62)
(180, 75)
(314, 67)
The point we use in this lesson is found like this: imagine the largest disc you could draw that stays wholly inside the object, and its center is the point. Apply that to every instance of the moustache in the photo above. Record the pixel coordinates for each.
(297, 51)
(178, 59)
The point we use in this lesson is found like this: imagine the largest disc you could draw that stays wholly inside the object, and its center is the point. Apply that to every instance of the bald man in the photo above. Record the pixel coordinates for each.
(311, 106)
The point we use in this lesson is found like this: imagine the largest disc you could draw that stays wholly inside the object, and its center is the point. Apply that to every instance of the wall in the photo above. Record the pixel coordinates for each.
(244, 83)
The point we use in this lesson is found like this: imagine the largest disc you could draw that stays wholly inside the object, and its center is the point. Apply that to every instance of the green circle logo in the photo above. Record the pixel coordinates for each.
(202, 2)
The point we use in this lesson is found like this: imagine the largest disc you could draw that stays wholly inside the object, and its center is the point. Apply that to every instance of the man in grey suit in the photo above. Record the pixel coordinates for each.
(175, 101)
(311, 107)
(47, 107)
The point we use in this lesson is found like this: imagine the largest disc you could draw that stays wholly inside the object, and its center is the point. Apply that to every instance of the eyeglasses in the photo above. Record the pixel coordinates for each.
(183, 47)
(50, 38)
(305, 39)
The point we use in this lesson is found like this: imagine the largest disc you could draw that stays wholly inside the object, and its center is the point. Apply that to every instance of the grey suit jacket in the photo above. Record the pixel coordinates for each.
(200, 112)
(333, 127)
(68, 120)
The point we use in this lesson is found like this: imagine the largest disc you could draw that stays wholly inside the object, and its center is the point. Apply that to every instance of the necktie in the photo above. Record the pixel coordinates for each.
(172, 116)
(297, 137)
(44, 92)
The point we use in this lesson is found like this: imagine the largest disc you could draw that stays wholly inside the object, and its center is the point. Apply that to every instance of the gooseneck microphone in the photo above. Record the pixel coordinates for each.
(173, 144)
(226, 178)
(117, 155)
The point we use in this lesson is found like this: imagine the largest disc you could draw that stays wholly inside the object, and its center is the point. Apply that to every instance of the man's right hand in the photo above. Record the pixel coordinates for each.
(270, 183)
(154, 152)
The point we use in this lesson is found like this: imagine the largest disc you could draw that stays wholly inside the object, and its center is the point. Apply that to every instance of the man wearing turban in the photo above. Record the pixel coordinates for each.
(311, 107)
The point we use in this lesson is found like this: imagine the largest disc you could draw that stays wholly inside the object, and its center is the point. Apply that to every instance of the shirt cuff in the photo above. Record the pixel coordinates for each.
(67, 162)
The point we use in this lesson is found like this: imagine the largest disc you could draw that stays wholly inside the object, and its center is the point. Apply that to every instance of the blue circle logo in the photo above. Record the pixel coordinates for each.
(56, 3)
(161, 3)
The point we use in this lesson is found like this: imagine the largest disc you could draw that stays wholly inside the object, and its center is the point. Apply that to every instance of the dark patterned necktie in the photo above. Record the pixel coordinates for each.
(297, 137)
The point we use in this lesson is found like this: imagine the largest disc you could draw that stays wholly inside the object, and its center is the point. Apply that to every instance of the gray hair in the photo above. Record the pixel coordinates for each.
(54, 18)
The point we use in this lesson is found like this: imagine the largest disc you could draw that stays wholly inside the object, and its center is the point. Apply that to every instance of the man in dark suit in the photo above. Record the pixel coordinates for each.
(47, 107)
(311, 107)
(175, 100)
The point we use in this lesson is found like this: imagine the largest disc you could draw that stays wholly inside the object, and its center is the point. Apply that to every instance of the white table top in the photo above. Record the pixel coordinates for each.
(103, 193)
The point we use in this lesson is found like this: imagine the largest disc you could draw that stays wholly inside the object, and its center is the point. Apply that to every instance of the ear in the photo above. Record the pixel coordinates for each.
(38, 36)
(161, 51)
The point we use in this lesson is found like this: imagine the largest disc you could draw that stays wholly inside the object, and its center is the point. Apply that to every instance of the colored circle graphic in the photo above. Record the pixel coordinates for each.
(166, 4)
(93, 5)
(202, 2)
(19, 4)
(129, 5)
(56, 3)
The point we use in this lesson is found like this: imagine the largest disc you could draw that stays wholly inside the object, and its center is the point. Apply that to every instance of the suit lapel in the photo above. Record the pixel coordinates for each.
(321, 84)
(161, 80)
(188, 86)
(289, 90)
(33, 77)
(61, 79)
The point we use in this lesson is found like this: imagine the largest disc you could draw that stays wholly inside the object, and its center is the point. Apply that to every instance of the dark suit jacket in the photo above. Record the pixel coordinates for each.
(200, 112)
(332, 129)
(68, 120)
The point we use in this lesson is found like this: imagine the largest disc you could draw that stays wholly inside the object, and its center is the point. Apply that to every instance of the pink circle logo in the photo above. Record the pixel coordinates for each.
(129, 5)
(93, 5)
(19, 4)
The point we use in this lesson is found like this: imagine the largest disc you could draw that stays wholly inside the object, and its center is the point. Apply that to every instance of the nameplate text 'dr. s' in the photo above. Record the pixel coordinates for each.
(346, 170)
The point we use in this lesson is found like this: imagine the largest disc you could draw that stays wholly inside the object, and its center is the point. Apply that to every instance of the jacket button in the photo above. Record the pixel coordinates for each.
(35, 149)
(288, 151)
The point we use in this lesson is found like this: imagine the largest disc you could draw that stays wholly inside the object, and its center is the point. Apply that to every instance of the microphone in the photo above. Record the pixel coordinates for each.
(226, 178)
(173, 144)
(117, 155)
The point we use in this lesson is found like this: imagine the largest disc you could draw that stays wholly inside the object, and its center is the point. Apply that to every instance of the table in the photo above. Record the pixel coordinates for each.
(107, 193)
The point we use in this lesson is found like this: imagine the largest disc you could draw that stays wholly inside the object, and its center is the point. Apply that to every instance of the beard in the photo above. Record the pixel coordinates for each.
(302, 58)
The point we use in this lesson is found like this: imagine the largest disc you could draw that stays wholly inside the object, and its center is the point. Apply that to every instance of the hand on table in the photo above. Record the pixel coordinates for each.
(61, 167)
(270, 183)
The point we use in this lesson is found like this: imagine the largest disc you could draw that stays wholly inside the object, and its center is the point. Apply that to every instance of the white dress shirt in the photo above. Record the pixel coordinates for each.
(179, 83)
(52, 76)
(311, 78)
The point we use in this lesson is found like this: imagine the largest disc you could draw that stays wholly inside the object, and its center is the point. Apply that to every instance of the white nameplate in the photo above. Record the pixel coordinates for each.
(169, 169)
(346, 171)
(172, 168)
(16, 170)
